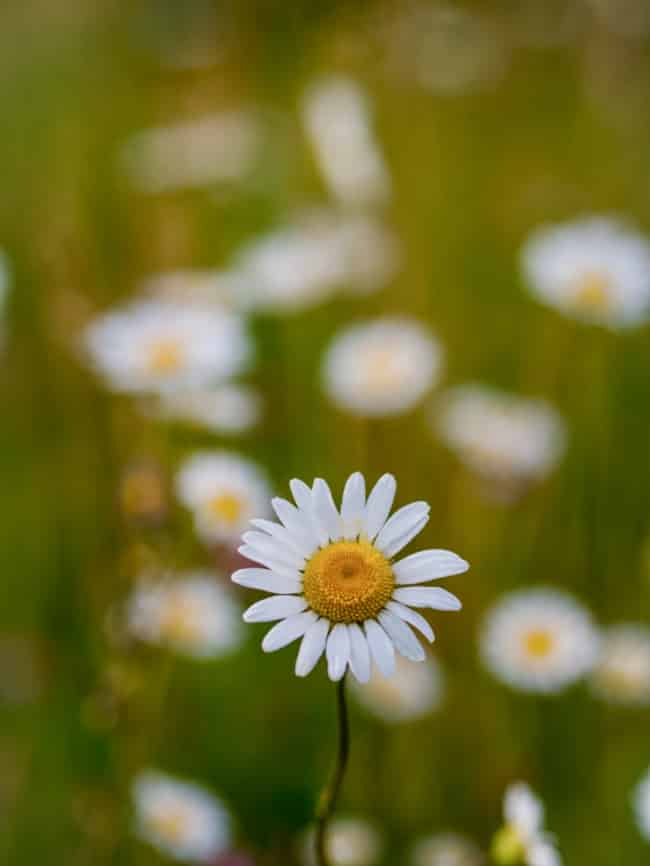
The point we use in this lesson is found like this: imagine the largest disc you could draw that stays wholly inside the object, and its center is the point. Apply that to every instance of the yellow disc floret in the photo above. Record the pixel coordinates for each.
(348, 581)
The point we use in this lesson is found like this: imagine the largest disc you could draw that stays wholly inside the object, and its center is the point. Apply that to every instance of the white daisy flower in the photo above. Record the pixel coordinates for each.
(538, 640)
(414, 691)
(224, 491)
(383, 367)
(217, 148)
(227, 409)
(504, 438)
(189, 613)
(446, 849)
(335, 582)
(180, 819)
(523, 839)
(155, 346)
(336, 117)
(641, 802)
(349, 842)
(622, 673)
(595, 269)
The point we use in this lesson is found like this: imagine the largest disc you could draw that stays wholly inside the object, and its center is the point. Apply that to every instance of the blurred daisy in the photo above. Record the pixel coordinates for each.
(383, 367)
(218, 148)
(622, 673)
(337, 120)
(227, 409)
(595, 269)
(538, 640)
(505, 439)
(523, 839)
(157, 346)
(224, 491)
(334, 581)
(349, 842)
(193, 286)
(190, 614)
(369, 252)
(641, 801)
(446, 849)
(180, 819)
(413, 692)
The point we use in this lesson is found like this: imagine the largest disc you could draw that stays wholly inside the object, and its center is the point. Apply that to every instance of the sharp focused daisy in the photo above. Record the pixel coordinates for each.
(594, 269)
(350, 842)
(641, 802)
(504, 438)
(224, 491)
(412, 693)
(380, 368)
(180, 819)
(226, 409)
(523, 840)
(189, 613)
(622, 673)
(157, 346)
(539, 640)
(446, 849)
(335, 581)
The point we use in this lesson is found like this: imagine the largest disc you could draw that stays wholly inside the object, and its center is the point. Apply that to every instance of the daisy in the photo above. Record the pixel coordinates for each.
(505, 439)
(595, 269)
(153, 346)
(180, 819)
(538, 640)
(622, 673)
(380, 368)
(227, 409)
(217, 148)
(523, 839)
(189, 613)
(641, 802)
(336, 118)
(335, 582)
(224, 491)
(412, 693)
(350, 842)
(446, 849)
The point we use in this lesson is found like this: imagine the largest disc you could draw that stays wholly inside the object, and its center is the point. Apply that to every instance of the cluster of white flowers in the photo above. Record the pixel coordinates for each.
(523, 839)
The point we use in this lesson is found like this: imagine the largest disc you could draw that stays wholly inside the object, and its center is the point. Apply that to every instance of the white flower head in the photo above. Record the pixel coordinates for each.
(538, 640)
(446, 849)
(380, 368)
(153, 346)
(189, 613)
(334, 581)
(180, 819)
(349, 842)
(215, 149)
(503, 438)
(622, 673)
(414, 691)
(641, 803)
(337, 120)
(226, 409)
(523, 839)
(224, 491)
(595, 269)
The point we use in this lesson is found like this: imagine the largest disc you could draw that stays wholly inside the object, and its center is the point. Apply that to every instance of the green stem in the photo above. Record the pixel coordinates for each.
(327, 802)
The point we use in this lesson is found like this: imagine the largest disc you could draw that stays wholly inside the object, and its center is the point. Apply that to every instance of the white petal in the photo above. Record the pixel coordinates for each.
(401, 523)
(428, 565)
(288, 630)
(262, 578)
(403, 540)
(412, 618)
(302, 493)
(325, 510)
(277, 565)
(401, 635)
(379, 504)
(268, 546)
(427, 596)
(338, 652)
(381, 647)
(312, 647)
(276, 607)
(353, 505)
(359, 653)
(296, 521)
(295, 540)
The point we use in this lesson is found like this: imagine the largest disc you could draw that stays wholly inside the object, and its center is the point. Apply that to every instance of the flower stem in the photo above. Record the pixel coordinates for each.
(327, 802)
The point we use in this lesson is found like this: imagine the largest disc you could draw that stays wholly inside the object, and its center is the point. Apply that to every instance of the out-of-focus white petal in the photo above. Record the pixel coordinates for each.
(412, 618)
(401, 635)
(267, 581)
(359, 653)
(427, 596)
(338, 652)
(353, 505)
(379, 504)
(275, 607)
(428, 565)
(312, 647)
(381, 647)
(288, 630)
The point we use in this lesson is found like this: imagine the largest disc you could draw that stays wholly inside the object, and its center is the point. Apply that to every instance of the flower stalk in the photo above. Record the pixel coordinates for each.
(329, 796)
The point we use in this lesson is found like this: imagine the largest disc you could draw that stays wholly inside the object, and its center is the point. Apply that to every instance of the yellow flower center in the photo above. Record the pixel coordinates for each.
(382, 370)
(170, 824)
(348, 581)
(593, 292)
(538, 643)
(227, 507)
(507, 847)
(166, 356)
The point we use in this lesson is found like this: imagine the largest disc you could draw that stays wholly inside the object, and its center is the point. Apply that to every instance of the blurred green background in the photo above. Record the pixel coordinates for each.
(560, 127)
